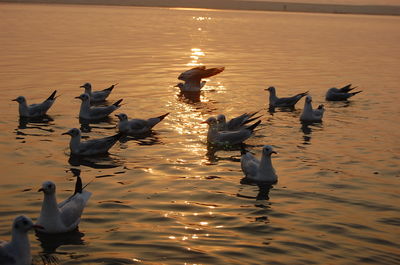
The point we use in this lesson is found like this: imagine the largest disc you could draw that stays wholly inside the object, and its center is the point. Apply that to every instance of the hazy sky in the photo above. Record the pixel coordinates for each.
(349, 2)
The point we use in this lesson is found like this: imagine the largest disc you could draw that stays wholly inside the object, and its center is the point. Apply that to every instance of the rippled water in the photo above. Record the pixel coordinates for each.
(166, 199)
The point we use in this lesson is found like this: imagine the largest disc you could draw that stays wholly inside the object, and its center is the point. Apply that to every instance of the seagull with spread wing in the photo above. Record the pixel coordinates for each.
(192, 78)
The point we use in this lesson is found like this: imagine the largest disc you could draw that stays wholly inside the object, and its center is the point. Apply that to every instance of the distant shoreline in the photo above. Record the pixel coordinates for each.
(234, 5)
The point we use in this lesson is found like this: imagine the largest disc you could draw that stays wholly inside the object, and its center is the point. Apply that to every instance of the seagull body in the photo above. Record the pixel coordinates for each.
(236, 123)
(137, 126)
(35, 110)
(309, 114)
(192, 77)
(227, 138)
(18, 250)
(90, 147)
(340, 94)
(65, 216)
(97, 96)
(88, 112)
(287, 102)
(259, 171)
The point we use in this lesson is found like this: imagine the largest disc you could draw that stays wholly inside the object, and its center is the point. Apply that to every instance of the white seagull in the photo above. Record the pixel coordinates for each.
(192, 78)
(287, 102)
(35, 110)
(137, 126)
(88, 112)
(227, 138)
(18, 250)
(65, 216)
(236, 123)
(309, 114)
(97, 96)
(340, 94)
(259, 171)
(90, 147)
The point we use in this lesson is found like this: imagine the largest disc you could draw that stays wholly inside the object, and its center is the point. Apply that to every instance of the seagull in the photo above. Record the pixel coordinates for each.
(65, 216)
(35, 110)
(227, 138)
(288, 102)
(137, 126)
(95, 113)
(338, 94)
(309, 114)
(192, 78)
(90, 147)
(236, 123)
(18, 250)
(97, 96)
(259, 171)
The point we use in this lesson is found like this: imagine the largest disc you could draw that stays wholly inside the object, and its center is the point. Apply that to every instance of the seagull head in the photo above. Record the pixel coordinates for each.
(268, 150)
(221, 118)
(73, 132)
(321, 107)
(270, 89)
(48, 187)
(180, 85)
(308, 99)
(86, 86)
(84, 97)
(122, 116)
(23, 224)
(19, 99)
(211, 121)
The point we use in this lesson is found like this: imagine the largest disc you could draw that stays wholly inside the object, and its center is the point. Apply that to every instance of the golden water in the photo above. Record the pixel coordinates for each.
(166, 199)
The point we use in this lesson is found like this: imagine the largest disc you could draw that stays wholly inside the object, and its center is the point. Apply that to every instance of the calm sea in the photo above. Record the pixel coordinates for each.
(166, 199)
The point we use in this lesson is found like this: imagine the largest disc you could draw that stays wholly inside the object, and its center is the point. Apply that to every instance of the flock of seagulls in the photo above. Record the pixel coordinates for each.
(64, 217)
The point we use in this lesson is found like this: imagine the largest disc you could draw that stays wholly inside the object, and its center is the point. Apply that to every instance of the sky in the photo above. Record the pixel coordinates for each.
(348, 2)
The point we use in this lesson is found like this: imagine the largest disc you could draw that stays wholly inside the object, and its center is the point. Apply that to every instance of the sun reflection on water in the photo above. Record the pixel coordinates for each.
(195, 55)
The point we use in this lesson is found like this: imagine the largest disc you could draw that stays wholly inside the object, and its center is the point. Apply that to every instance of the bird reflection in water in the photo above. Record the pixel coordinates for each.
(34, 123)
(213, 149)
(86, 125)
(50, 242)
(307, 129)
(263, 189)
(96, 162)
(190, 96)
(150, 138)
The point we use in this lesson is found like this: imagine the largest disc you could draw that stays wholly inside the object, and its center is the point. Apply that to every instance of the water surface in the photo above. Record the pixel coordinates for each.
(166, 199)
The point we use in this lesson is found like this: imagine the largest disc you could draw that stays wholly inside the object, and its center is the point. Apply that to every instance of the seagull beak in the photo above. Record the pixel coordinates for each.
(14, 99)
(82, 86)
(204, 122)
(274, 152)
(38, 227)
(41, 189)
(78, 97)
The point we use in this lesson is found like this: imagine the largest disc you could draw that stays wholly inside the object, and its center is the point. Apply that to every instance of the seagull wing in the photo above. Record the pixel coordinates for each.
(233, 137)
(40, 109)
(249, 164)
(346, 88)
(137, 124)
(5, 257)
(71, 211)
(336, 96)
(199, 73)
(100, 145)
(96, 112)
(289, 101)
(236, 123)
